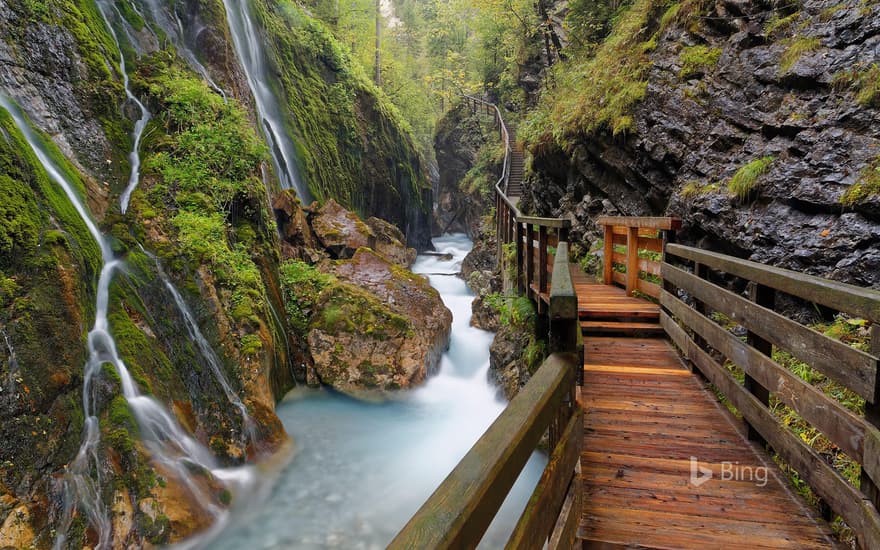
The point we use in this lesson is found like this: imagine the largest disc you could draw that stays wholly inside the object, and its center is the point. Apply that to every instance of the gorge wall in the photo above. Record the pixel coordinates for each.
(755, 122)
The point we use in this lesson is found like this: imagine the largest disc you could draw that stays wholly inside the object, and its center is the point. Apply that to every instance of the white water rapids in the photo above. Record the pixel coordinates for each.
(362, 470)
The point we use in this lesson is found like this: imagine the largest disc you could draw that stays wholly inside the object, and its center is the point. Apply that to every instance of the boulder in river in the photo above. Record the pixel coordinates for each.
(377, 328)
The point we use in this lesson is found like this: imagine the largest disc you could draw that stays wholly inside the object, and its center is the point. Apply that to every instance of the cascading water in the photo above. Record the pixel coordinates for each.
(246, 38)
(362, 470)
(172, 26)
(207, 352)
(177, 453)
(134, 157)
(12, 363)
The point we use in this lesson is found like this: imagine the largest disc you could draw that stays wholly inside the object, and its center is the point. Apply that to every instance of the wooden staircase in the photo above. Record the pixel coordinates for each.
(517, 167)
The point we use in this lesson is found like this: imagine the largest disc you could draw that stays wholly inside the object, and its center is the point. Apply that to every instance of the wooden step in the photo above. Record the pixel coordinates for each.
(620, 327)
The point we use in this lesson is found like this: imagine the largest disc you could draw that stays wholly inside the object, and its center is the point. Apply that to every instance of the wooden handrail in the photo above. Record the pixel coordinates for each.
(458, 513)
(700, 339)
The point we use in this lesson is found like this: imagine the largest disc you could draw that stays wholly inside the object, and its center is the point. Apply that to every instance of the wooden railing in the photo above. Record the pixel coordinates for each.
(642, 240)
(688, 275)
(458, 513)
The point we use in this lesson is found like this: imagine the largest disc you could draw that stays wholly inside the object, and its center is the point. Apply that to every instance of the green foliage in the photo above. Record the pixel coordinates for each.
(696, 60)
(517, 311)
(795, 48)
(779, 22)
(480, 180)
(865, 83)
(590, 22)
(302, 285)
(868, 185)
(599, 92)
(744, 181)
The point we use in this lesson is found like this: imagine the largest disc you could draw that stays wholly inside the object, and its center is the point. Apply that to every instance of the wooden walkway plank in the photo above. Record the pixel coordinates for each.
(636, 466)
(647, 418)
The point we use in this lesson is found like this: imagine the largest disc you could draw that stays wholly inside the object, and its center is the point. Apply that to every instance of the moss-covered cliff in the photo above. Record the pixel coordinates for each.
(199, 245)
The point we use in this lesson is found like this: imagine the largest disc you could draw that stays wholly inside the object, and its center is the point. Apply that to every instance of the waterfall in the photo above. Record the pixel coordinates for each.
(171, 24)
(168, 444)
(207, 352)
(134, 157)
(13, 367)
(248, 47)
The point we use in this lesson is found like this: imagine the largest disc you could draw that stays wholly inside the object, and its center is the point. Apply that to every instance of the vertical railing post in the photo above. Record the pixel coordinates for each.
(608, 263)
(520, 257)
(530, 258)
(766, 297)
(632, 260)
(872, 415)
(542, 259)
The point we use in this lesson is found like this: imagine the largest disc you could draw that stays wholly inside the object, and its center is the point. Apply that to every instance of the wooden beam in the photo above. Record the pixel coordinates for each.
(852, 368)
(863, 302)
(632, 261)
(608, 259)
(457, 514)
(537, 521)
(542, 259)
(555, 223)
(839, 424)
(764, 296)
(530, 258)
(648, 223)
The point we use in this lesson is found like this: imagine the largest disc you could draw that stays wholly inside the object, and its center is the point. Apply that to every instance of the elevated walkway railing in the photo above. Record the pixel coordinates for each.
(635, 245)
(688, 275)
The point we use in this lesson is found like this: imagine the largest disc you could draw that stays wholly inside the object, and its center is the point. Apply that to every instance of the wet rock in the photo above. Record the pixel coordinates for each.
(457, 140)
(341, 232)
(391, 242)
(507, 366)
(16, 531)
(297, 239)
(378, 329)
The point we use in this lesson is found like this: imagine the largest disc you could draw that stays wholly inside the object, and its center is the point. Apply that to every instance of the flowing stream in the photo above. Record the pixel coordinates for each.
(134, 157)
(362, 470)
(178, 454)
(249, 47)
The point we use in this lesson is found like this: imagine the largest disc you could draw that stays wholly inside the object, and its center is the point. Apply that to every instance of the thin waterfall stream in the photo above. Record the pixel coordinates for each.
(134, 157)
(169, 445)
(362, 470)
(249, 47)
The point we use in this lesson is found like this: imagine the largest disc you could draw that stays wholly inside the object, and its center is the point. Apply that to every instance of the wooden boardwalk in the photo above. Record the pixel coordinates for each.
(646, 416)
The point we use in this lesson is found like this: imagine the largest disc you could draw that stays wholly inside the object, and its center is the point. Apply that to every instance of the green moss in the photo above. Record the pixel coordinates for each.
(346, 308)
(696, 60)
(867, 186)
(694, 189)
(865, 83)
(780, 23)
(251, 344)
(302, 285)
(745, 180)
(335, 111)
(600, 92)
(795, 48)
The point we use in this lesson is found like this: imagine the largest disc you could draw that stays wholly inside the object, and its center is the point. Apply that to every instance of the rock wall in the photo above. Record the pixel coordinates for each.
(731, 87)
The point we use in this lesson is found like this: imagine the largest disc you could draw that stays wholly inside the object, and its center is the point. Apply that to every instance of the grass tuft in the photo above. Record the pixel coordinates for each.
(795, 49)
(744, 182)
